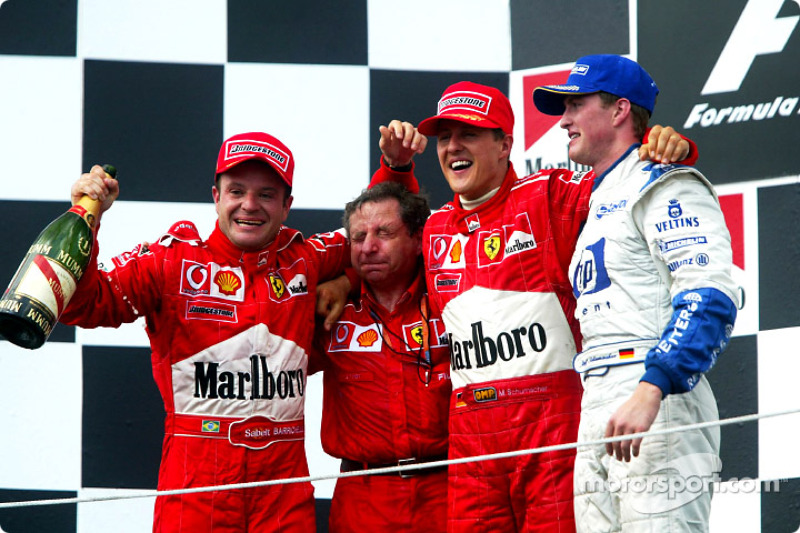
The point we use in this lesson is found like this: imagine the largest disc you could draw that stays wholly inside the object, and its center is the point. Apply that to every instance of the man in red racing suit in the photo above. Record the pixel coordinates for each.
(386, 379)
(496, 261)
(230, 321)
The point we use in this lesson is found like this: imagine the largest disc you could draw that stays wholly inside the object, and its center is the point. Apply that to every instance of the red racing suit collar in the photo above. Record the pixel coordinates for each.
(219, 243)
(469, 220)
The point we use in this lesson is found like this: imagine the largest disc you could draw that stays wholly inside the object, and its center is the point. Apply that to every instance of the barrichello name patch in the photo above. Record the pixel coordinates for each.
(258, 432)
(243, 148)
(465, 100)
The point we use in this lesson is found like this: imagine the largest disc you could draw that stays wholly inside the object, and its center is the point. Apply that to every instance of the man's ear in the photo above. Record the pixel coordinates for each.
(622, 110)
(287, 205)
(508, 142)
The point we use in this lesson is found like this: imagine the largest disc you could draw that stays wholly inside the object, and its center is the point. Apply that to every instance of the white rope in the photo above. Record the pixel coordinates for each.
(397, 469)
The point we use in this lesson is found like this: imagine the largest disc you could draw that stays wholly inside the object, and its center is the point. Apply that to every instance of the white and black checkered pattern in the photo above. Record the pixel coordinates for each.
(154, 86)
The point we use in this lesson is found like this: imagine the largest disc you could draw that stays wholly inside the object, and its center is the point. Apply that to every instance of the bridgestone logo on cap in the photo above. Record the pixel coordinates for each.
(466, 100)
(239, 149)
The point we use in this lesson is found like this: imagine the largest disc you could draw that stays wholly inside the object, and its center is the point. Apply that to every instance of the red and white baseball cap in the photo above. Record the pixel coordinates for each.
(472, 103)
(256, 145)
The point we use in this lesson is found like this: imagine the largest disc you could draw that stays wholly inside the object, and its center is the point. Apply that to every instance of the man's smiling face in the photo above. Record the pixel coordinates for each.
(252, 203)
(474, 160)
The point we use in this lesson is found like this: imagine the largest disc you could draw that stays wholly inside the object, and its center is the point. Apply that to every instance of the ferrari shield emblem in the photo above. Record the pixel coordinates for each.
(277, 285)
(491, 246)
(416, 334)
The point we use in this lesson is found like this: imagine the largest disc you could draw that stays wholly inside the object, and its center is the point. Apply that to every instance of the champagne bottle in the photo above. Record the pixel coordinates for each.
(49, 274)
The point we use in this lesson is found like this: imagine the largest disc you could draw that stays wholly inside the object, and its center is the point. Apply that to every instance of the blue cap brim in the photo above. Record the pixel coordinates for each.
(550, 99)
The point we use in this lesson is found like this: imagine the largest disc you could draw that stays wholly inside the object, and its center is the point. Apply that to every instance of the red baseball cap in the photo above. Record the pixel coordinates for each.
(256, 145)
(472, 103)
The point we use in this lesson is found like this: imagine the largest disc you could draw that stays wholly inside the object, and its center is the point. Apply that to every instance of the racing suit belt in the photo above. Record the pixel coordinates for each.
(519, 389)
(349, 465)
(254, 432)
(614, 354)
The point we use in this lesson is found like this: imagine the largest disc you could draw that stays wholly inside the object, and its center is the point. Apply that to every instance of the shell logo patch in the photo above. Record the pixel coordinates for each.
(455, 252)
(367, 338)
(208, 279)
(227, 282)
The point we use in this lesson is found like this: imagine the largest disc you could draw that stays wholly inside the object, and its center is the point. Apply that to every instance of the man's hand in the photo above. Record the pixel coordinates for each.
(664, 145)
(331, 299)
(634, 416)
(97, 185)
(400, 142)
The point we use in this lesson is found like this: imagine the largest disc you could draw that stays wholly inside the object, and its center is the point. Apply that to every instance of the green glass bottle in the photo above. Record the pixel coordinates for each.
(49, 274)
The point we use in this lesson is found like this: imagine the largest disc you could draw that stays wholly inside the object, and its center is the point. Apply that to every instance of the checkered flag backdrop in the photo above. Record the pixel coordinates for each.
(154, 86)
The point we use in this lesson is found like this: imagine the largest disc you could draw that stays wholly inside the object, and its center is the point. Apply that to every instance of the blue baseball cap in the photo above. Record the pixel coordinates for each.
(610, 73)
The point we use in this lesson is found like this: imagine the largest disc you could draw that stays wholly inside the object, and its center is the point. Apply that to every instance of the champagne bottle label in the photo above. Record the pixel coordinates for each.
(47, 279)
(48, 282)
(48, 276)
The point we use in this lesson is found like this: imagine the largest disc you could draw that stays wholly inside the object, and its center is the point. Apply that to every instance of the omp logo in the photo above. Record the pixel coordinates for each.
(488, 394)
(758, 32)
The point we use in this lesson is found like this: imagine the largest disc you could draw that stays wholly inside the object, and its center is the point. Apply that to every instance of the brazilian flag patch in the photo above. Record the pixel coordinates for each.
(210, 426)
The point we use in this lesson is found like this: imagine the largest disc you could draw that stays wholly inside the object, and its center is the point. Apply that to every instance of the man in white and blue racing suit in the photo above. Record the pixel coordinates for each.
(656, 305)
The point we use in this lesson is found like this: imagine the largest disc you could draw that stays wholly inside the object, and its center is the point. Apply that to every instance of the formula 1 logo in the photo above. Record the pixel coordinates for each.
(759, 32)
